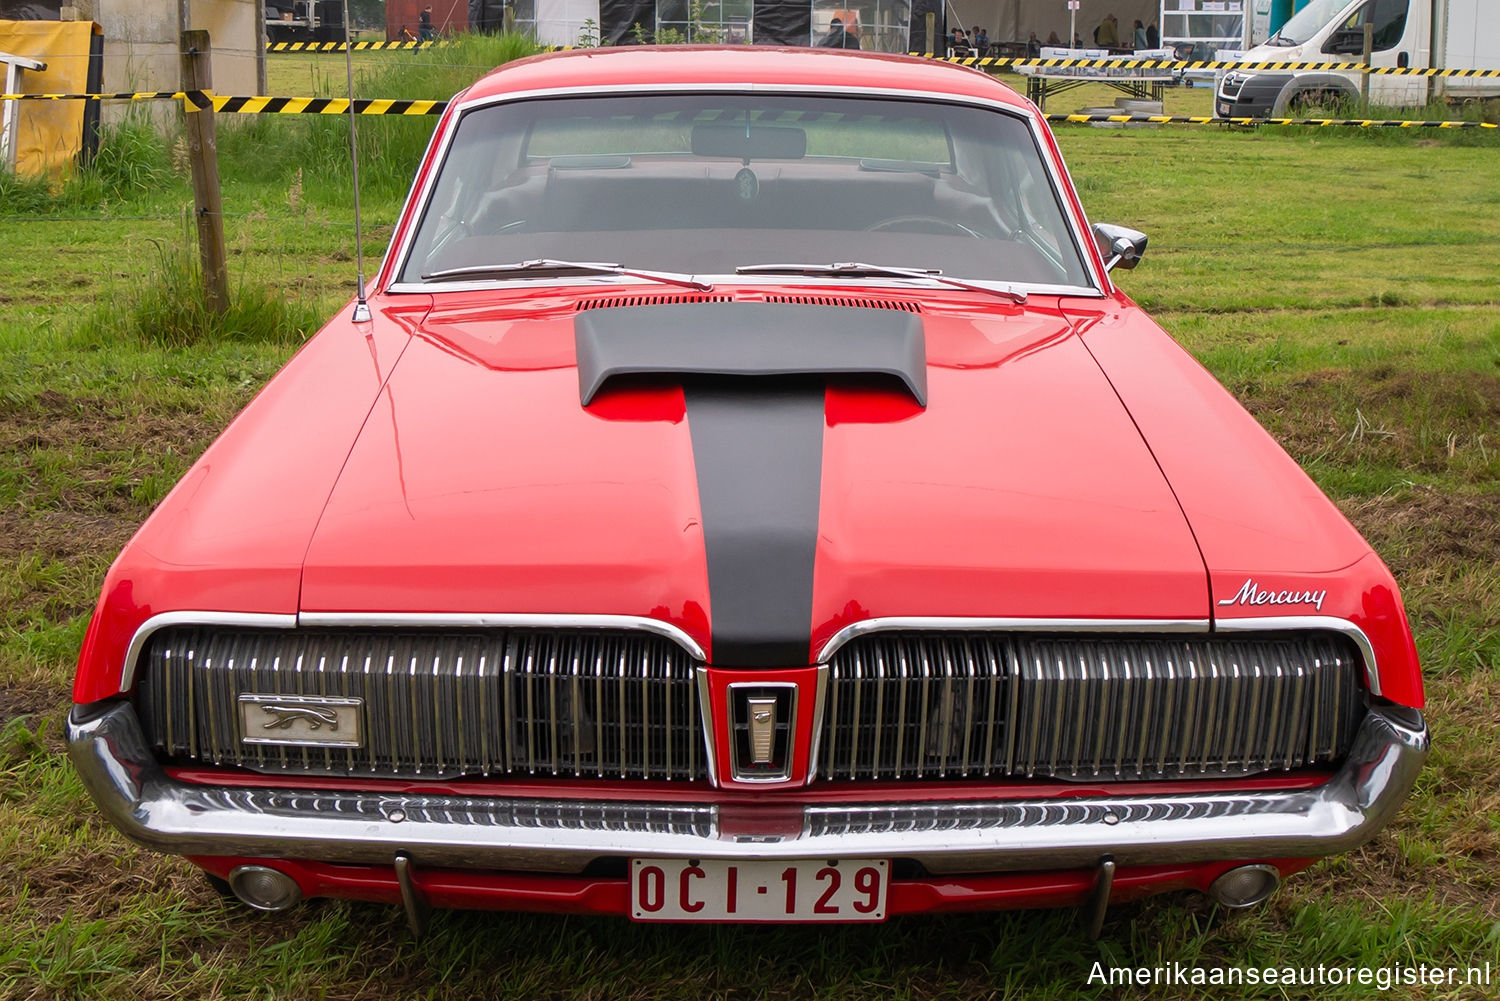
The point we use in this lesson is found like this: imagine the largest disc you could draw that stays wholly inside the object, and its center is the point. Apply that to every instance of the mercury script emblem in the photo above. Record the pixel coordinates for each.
(282, 717)
(1250, 593)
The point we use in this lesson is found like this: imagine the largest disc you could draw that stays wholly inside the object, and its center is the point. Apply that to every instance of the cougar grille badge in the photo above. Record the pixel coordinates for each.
(300, 720)
(761, 726)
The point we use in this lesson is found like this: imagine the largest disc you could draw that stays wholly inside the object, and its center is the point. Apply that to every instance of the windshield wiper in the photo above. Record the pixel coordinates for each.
(548, 266)
(853, 269)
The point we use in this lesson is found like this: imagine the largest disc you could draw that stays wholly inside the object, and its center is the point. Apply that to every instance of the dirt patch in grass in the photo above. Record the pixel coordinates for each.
(1425, 527)
(1428, 422)
(40, 702)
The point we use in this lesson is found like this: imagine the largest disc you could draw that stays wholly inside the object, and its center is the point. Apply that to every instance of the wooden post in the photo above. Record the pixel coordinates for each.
(933, 46)
(1364, 78)
(203, 152)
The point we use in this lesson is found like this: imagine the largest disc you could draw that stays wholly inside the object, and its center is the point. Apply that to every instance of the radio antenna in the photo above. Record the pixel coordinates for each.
(361, 307)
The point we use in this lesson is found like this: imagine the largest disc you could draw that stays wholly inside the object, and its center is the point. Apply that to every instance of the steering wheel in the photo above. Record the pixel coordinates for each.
(921, 224)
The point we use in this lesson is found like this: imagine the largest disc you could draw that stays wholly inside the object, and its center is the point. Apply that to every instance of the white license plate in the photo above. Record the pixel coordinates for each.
(759, 890)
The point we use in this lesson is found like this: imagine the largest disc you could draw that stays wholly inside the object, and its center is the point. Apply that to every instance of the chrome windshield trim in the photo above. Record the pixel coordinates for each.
(505, 620)
(258, 620)
(539, 834)
(1056, 170)
(1034, 625)
(1296, 623)
(864, 285)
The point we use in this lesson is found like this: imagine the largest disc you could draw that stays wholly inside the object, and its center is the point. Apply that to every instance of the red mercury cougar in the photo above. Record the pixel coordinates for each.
(746, 497)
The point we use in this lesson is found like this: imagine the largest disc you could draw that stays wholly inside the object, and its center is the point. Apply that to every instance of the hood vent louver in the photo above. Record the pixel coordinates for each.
(843, 300)
(660, 299)
(692, 298)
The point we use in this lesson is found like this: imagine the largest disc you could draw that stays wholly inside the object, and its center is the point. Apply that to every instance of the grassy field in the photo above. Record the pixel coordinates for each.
(1344, 286)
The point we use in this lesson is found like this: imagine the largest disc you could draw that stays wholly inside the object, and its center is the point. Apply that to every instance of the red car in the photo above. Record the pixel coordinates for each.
(746, 497)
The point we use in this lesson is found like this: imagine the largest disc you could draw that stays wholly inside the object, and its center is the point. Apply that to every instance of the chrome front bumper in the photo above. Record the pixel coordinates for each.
(557, 835)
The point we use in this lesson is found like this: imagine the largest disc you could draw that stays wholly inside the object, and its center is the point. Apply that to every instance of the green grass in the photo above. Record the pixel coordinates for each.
(1343, 287)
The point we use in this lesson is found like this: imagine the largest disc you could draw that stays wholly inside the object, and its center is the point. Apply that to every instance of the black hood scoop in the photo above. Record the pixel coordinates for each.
(749, 339)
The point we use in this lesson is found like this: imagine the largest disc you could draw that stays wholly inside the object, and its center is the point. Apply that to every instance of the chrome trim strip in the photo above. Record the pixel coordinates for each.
(1296, 623)
(710, 735)
(505, 620)
(817, 724)
(263, 620)
(115, 765)
(957, 624)
(1056, 169)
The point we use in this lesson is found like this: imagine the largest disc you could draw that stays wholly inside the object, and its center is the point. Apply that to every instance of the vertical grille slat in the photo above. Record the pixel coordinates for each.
(439, 705)
(906, 706)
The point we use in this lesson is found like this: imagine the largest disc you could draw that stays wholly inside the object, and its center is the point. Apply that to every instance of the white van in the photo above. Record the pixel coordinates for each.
(1456, 34)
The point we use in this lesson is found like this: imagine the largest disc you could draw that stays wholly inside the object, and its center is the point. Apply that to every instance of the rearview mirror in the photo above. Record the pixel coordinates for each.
(1120, 247)
(757, 142)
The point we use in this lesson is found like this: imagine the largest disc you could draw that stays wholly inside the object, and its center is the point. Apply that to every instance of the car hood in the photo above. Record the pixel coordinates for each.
(759, 515)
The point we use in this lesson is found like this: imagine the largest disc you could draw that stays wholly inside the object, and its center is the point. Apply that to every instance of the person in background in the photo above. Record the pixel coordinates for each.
(1153, 37)
(981, 40)
(1139, 39)
(424, 25)
(1052, 39)
(958, 40)
(1034, 45)
(1107, 35)
(838, 37)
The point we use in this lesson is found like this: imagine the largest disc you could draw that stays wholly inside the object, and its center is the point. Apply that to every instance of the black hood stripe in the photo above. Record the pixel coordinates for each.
(758, 447)
(753, 376)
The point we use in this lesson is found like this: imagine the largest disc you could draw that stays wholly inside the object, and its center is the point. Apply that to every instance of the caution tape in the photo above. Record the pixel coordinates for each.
(323, 106)
(196, 100)
(357, 46)
(1001, 62)
(379, 46)
(1364, 123)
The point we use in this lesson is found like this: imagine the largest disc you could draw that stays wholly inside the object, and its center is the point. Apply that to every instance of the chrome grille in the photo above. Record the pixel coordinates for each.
(952, 705)
(435, 704)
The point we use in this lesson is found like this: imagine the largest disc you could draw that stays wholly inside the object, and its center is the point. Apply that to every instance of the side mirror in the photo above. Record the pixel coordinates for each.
(1119, 246)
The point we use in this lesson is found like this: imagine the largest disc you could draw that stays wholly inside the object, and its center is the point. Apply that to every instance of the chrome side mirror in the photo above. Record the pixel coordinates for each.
(1119, 246)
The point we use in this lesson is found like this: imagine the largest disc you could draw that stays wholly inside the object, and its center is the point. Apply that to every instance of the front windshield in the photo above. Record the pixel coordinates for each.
(707, 183)
(1304, 24)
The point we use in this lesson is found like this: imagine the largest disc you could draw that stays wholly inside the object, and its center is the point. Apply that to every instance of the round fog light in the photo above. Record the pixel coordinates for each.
(1245, 886)
(265, 889)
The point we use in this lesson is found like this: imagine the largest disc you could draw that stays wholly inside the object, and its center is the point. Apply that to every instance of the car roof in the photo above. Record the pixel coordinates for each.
(638, 67)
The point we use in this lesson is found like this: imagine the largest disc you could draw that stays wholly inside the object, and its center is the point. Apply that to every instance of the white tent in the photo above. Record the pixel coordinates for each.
(1015, 20)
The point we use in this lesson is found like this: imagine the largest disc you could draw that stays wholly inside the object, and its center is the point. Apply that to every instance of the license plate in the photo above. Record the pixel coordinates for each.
(759, 890)
(1225, 111)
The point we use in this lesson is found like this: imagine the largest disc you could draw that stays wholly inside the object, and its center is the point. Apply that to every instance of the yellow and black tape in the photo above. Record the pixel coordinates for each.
(323, 106)
(378, 46)
(1364, 123)
(196, 100)
(1003, 62)
(357, 46)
